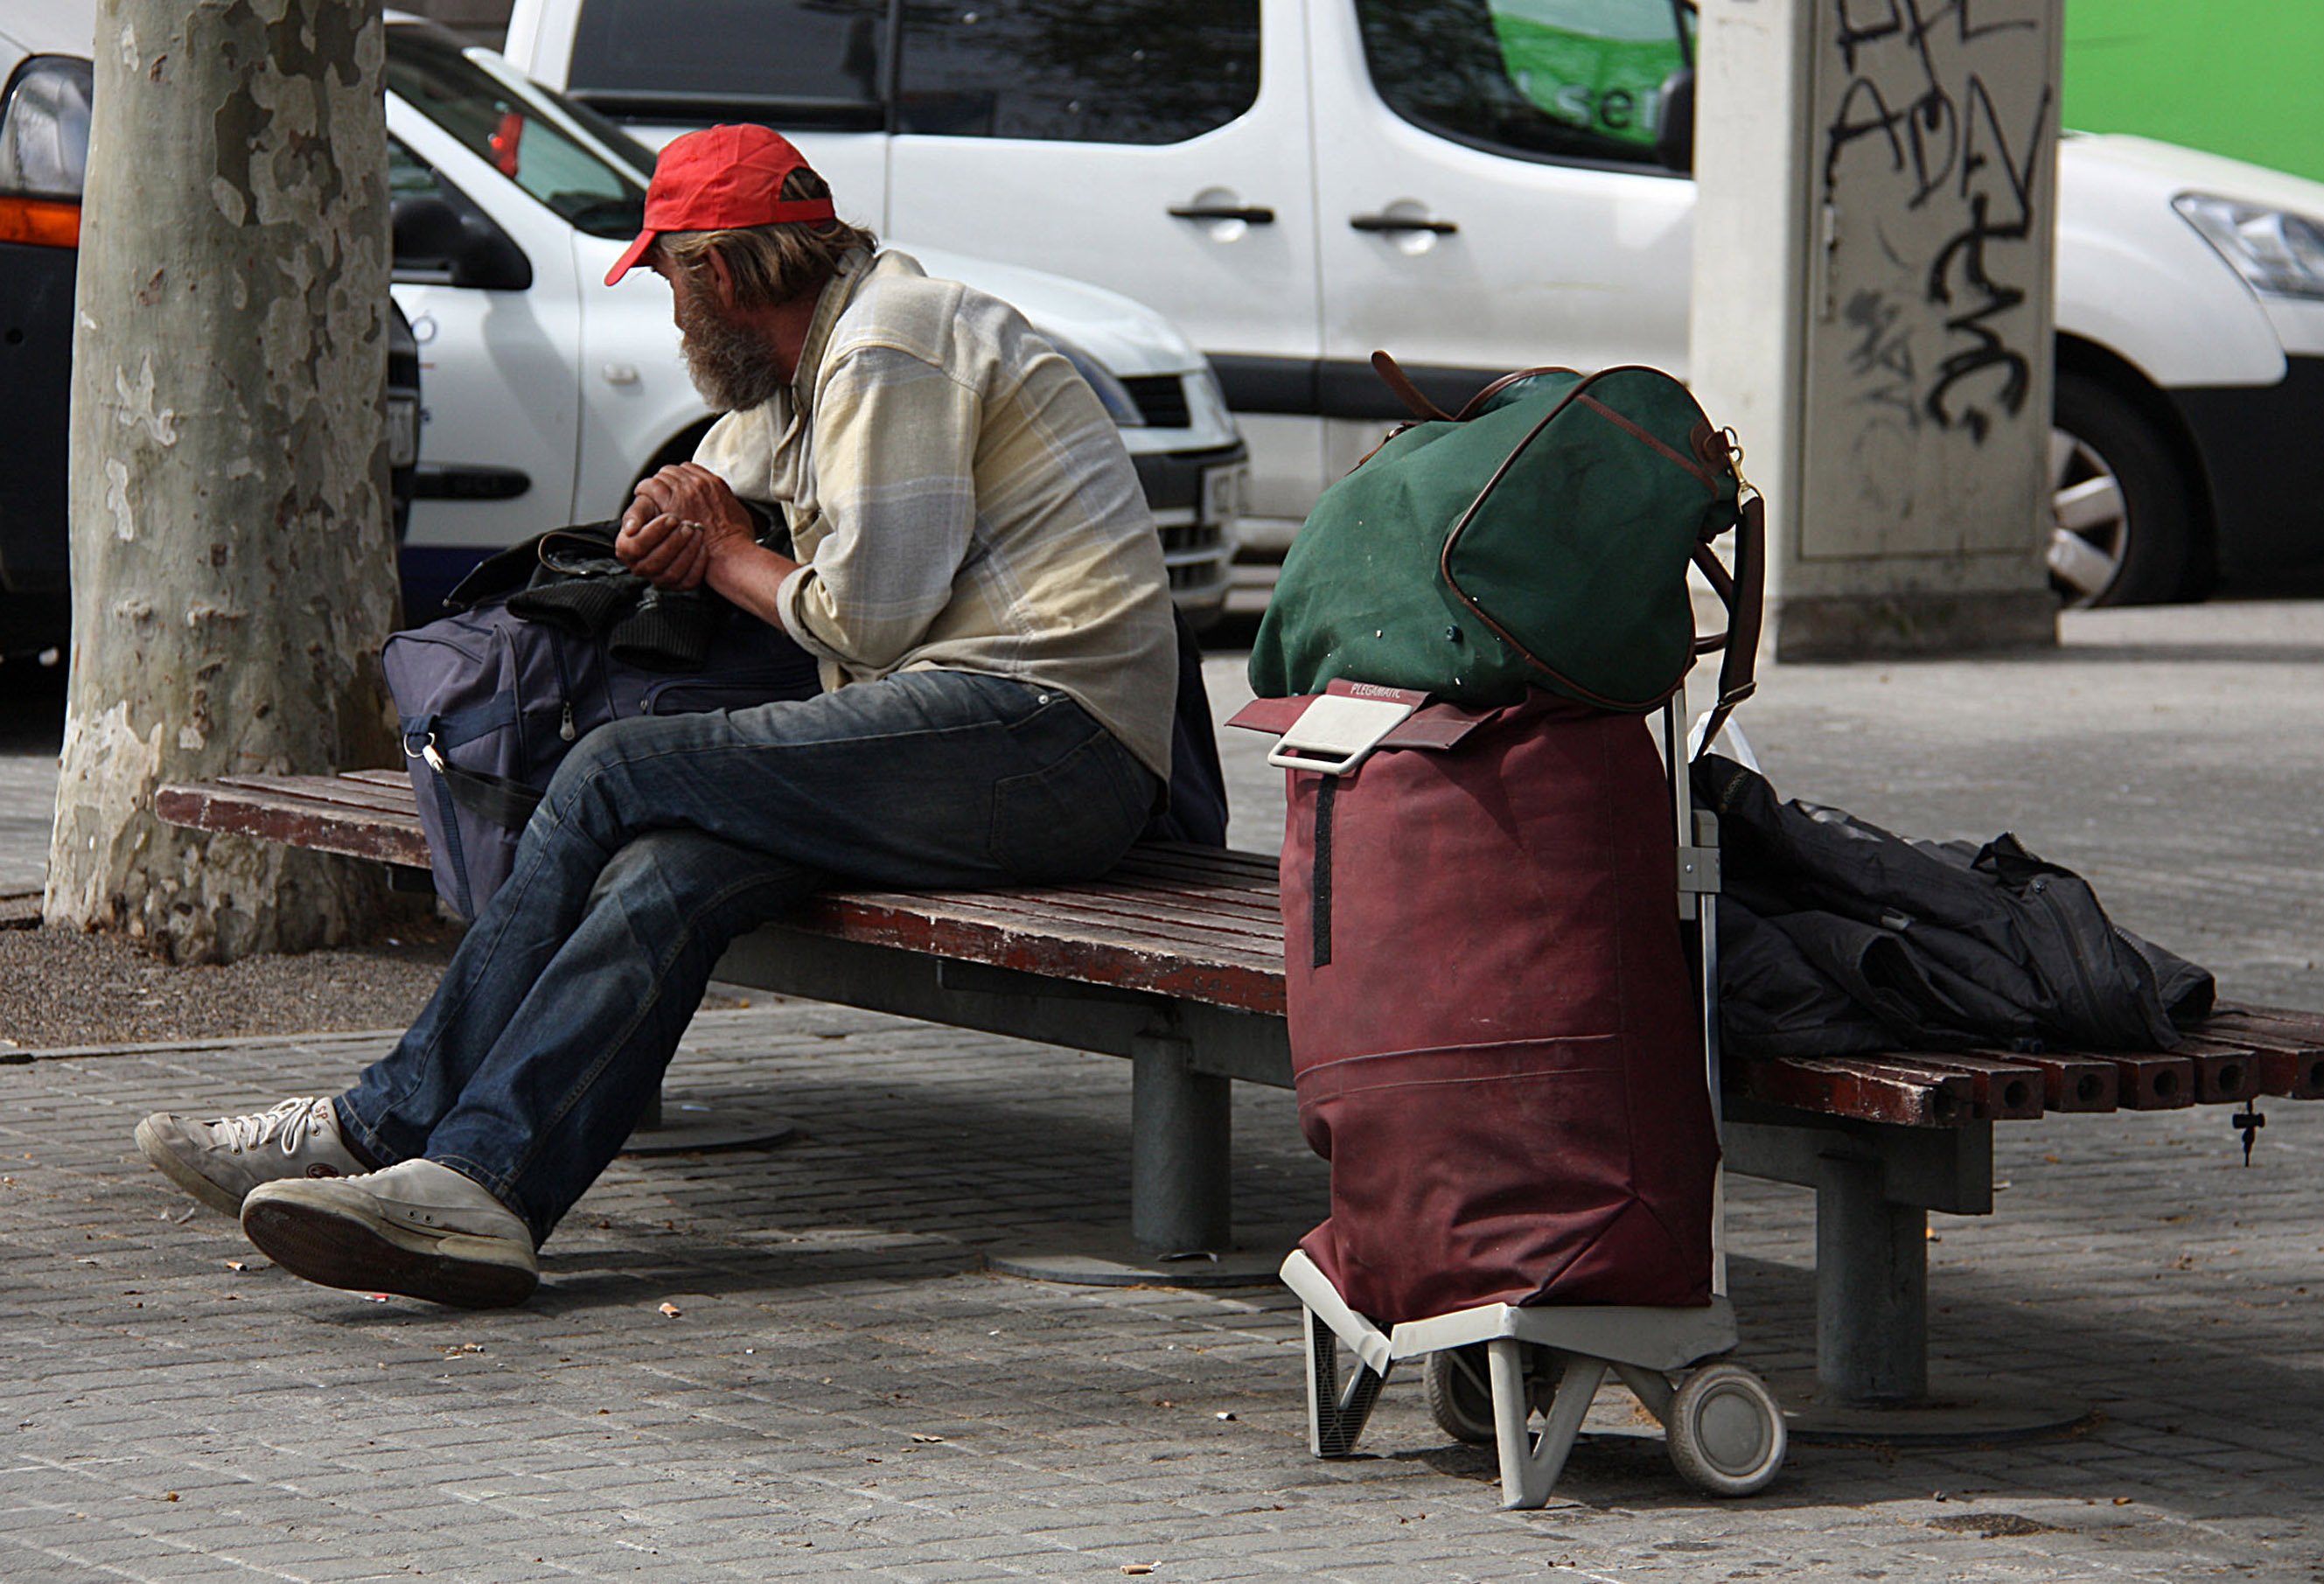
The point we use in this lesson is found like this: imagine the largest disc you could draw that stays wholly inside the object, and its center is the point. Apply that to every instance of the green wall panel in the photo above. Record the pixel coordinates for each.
(2243, 77)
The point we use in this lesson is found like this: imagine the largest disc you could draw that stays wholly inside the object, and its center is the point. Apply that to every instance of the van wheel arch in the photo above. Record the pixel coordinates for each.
(2114, 411)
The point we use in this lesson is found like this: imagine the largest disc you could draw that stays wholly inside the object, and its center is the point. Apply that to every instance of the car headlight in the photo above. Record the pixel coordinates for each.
(1112, 393)
(44, 128)
(2277, 252)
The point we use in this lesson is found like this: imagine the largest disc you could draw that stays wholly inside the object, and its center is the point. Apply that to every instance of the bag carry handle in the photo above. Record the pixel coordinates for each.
(1397, 380)
(1470, 408)
(1393, 376)
(1744, 595)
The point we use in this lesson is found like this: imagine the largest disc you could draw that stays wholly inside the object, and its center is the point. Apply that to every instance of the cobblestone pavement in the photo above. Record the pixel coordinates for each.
(843, 1389)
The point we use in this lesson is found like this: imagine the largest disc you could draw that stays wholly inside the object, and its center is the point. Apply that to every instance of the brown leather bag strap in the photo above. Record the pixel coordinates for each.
(1410, 394)
(1744, 593)
(1397, 380)
(1469, 407)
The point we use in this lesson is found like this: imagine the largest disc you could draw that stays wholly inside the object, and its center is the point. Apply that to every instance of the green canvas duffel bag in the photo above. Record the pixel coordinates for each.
(1540, 538)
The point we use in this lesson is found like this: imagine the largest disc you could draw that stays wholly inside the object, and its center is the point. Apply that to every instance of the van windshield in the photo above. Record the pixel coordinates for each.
(514, 133)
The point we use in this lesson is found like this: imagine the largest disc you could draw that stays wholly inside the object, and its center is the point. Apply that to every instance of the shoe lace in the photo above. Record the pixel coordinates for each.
(286, 1125)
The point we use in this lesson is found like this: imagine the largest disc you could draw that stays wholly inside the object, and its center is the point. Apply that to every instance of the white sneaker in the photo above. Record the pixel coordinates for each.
(219, 1162)
(417, 1228)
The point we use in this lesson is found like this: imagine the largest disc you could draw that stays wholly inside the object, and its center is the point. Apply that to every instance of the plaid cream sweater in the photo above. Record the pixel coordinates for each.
(958, 501)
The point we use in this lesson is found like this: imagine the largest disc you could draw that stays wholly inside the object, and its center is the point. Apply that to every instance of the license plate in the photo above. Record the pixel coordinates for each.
(1223, 492)
(402, 431)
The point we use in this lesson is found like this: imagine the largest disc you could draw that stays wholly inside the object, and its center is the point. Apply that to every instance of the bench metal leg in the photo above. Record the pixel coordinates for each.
(1181, 1150)
(1181, 1180)
(1875, 1185)
(1872, 1289)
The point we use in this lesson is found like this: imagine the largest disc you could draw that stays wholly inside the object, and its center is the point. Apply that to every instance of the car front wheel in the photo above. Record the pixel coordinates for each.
(2124, 530)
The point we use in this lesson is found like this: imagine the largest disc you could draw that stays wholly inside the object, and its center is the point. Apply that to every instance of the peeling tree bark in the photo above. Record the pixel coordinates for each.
(232, 559)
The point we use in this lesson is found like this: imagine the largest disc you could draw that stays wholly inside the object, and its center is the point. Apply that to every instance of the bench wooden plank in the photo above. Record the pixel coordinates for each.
(2070, 1084)
(2226, 1069)
(1246, 980)
(1999, 1089)
(2151, 1084)
(2289, 1045)
(297, 821)
(337, 790)
(1062, 949)
(1854, 1087)
(1249, 912)
(1098, 905)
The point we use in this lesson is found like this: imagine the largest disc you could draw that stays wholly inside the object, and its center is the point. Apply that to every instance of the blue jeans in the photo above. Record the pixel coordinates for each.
(661, 840)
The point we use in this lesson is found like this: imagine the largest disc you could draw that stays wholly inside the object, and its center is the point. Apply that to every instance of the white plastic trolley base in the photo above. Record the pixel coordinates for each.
(1723, 1429)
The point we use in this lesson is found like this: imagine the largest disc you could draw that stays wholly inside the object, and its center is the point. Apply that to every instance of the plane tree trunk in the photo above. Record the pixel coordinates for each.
(233, 558)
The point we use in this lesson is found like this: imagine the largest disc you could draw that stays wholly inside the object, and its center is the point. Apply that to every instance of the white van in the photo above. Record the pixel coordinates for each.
(1474, 185)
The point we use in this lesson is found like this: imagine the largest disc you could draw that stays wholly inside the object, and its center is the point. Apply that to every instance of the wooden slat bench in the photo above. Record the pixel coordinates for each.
(1174, 961)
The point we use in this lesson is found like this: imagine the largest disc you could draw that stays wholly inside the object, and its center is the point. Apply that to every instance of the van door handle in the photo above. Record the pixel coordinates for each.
(1249, 216)
(1400, 223)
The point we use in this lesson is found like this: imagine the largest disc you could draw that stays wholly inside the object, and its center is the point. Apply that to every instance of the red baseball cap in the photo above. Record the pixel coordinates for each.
(720, 179)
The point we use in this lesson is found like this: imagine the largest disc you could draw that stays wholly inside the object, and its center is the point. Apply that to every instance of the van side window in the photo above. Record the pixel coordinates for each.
(1546, 80)
(1117, 71)
(799, 63)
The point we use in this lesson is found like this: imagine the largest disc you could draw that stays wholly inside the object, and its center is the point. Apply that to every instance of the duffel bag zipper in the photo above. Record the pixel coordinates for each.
(564, 693)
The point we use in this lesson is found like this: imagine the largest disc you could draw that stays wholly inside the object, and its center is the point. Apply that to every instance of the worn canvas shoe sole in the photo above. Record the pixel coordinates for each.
(344, 1243)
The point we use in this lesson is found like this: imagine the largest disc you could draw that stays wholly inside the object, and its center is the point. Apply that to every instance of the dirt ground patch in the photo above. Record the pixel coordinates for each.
(66, 988)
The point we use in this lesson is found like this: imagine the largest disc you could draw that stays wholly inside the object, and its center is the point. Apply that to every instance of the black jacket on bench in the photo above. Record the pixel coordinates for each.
(1836, 936)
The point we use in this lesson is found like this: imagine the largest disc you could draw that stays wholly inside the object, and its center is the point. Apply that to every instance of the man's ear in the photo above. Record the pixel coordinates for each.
(721, 277)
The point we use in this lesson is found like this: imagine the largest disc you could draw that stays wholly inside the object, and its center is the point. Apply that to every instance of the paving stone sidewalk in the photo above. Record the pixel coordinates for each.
(842, 1389)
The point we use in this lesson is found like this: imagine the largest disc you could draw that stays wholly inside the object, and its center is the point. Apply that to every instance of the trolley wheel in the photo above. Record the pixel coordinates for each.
(1724, 1431)
(1460, 1383)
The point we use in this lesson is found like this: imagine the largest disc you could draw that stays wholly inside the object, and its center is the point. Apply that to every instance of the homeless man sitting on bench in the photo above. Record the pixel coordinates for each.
(980, 579)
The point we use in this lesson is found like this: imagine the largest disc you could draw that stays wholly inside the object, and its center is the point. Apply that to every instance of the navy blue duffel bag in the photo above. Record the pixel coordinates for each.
(490, 701)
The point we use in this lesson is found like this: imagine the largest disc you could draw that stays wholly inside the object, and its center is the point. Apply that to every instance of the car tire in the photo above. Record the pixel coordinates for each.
(2124, 531)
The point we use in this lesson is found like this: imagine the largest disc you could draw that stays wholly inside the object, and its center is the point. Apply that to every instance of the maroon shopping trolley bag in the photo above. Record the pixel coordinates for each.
(1494, 1036)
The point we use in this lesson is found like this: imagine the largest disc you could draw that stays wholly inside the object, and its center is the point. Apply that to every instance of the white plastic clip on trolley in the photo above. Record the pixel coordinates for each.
(1490, 1369)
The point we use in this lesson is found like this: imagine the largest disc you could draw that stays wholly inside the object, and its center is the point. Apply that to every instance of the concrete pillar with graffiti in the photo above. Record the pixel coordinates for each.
(1873, 310)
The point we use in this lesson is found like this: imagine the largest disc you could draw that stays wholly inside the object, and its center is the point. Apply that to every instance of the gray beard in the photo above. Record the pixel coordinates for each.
(729, 366)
